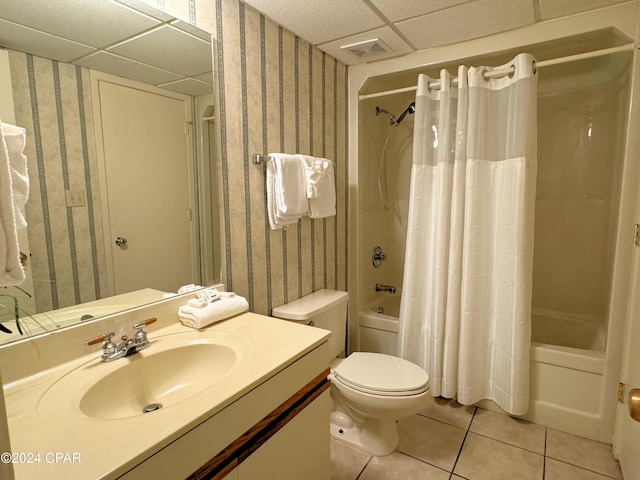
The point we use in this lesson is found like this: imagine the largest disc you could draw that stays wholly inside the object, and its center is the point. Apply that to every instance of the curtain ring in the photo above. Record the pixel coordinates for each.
(534, 67)
(511, 74)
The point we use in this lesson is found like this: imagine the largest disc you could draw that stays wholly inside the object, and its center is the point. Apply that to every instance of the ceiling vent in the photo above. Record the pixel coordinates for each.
(368, 48)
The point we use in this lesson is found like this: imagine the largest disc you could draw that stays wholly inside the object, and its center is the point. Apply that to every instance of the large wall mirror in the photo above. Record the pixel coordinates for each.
(63, 62)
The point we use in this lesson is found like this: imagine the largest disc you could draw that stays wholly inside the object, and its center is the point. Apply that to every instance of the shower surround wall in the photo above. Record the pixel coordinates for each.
(384, 227)
(577, 204)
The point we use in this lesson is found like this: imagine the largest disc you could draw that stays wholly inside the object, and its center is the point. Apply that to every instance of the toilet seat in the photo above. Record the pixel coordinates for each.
(379, 374)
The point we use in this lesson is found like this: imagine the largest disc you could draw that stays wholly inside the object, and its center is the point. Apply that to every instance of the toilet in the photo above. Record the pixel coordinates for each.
(370, 392)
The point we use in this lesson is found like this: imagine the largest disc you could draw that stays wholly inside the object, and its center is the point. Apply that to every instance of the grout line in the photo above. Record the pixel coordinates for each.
(364, 468)
(466, 434)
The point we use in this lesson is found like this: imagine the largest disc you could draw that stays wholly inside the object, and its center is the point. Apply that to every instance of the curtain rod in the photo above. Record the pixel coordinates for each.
(506, 71)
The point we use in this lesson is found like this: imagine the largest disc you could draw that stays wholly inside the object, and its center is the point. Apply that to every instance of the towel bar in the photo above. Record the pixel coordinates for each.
(258, 159)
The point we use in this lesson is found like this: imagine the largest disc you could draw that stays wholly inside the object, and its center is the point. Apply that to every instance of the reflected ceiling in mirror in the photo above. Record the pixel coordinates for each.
(127, 38)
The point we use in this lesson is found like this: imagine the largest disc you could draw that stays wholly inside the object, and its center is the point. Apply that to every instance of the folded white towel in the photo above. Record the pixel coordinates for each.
(289, 184)
(11, 270)
(321, 189)
(225, 307)
(316, 169)
(277, 220)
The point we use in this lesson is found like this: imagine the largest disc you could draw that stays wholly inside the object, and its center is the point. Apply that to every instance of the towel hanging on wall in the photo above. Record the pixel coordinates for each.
(298, 185)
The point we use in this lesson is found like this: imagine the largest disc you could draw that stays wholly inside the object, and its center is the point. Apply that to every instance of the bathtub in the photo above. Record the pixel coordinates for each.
(566, 380)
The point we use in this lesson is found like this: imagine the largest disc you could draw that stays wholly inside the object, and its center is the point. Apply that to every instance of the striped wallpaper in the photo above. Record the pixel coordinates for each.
(277, 93)
(53, 102)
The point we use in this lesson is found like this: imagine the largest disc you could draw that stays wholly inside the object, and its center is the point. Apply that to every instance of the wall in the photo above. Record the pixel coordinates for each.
(53, 102)
(277, 93)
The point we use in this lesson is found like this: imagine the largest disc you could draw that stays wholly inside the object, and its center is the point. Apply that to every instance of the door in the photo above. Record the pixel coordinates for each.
(627, 430)
(145, 169)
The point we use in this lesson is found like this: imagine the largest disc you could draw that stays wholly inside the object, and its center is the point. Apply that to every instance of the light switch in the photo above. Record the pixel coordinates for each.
(75, 197)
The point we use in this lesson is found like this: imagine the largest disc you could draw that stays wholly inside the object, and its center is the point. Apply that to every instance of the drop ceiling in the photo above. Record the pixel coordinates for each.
(404, 26)
(126, 38)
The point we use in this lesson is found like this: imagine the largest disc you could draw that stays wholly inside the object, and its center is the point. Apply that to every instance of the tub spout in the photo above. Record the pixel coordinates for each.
(385, 288)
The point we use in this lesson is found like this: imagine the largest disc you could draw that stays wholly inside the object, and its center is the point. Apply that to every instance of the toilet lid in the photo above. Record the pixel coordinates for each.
(381, 373)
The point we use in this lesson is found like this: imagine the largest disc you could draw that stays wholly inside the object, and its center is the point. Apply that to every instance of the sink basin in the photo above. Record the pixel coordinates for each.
(171, 370)
(157, 380)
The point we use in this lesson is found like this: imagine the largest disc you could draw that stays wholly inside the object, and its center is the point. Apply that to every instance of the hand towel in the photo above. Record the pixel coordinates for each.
(290, 185)
(321, 189)
(277, 220)
(16, 139)
(225, 307)
(11, 270)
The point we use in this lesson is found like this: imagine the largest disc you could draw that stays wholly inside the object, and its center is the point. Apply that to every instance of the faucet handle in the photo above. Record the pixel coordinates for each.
(105, 337)
(145, 323)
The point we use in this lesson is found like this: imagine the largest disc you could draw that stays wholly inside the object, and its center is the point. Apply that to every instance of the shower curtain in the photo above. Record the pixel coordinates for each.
(465, 312)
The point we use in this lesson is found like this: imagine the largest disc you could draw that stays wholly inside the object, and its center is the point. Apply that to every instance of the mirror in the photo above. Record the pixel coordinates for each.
(50, 47)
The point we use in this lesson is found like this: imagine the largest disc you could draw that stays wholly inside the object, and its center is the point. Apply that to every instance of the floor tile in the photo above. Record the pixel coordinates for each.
(431, 441)
(401, 467)
(483, 458)
(449, 411)
(346, 461)
(581, 452)
(510, 430)
(555, 470)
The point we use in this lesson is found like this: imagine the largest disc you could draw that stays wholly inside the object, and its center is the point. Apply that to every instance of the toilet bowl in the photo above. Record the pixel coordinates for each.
(370, 391)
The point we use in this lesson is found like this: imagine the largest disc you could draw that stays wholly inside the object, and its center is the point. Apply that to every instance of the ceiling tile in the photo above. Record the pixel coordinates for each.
(467, 21)
(190, 86)
(396, 11)
(320, 21)
(560, 8)
(205, 77)
(386, 34)
(166, 48)
(23, 39)
(79, 21)
(123, 67)
(190, 29)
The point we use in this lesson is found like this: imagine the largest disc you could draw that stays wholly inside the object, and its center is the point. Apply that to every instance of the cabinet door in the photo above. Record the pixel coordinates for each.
(232, 475)
(300, 450)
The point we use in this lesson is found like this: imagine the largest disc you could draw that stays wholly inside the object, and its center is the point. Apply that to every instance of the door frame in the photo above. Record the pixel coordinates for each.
(96, 78)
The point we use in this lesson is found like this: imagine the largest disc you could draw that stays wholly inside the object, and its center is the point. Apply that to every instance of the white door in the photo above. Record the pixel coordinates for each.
(627, 430)
(145, 164)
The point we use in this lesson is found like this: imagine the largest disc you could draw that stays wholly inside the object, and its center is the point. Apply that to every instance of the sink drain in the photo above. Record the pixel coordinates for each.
(152, 407)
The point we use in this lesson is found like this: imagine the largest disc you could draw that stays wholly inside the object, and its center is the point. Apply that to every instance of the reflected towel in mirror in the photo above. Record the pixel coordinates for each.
(14, 189)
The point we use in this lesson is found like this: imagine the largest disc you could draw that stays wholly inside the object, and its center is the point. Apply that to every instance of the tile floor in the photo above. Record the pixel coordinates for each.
(448, 441)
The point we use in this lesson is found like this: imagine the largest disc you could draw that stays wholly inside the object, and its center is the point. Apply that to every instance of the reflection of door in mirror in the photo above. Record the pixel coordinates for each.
(149, 229)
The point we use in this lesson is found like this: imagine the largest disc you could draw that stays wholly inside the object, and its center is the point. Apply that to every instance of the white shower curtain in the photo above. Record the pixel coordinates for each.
(465, 313)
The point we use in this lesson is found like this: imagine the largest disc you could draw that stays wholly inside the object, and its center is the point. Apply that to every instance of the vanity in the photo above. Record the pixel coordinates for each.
(246, 398)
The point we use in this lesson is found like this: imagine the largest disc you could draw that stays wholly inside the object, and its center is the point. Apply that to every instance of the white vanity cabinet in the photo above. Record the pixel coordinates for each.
(279, 429)
(300, 450)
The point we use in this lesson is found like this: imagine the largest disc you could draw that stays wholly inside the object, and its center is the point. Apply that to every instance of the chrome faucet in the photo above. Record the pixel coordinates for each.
(385, 288)
(128, 346)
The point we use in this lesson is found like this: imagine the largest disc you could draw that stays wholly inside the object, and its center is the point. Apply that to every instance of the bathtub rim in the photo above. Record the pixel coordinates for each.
(592, 361)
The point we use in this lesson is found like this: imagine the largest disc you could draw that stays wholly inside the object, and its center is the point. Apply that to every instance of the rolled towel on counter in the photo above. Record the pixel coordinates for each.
(227, 306)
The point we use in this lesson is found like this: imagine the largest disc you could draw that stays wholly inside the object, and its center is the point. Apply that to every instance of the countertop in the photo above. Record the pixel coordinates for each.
(70, 445)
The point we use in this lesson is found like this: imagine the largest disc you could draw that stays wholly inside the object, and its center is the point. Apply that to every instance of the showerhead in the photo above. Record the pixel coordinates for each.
(392, 119)
(410, 110)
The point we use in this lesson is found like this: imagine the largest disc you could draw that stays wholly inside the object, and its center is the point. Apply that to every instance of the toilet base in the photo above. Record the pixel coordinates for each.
(375, 437)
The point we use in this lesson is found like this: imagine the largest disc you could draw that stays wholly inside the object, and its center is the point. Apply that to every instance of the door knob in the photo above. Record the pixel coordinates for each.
(634, 404)
(121, 242)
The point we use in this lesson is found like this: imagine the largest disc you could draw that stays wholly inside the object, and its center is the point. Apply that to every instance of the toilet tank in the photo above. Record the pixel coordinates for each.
(323, 309)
